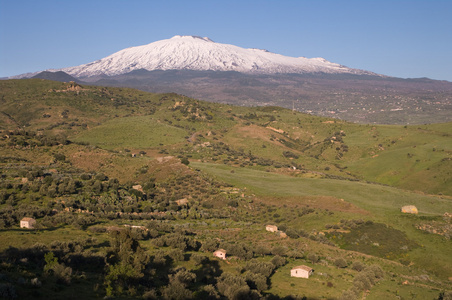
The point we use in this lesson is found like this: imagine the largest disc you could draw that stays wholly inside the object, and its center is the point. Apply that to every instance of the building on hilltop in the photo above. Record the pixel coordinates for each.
(27, 223)
(301, 271)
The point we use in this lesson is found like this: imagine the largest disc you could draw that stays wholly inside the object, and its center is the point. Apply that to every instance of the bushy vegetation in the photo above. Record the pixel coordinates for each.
(133, 192)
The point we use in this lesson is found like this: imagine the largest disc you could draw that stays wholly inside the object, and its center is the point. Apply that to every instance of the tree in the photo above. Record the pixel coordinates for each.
(232, 286)
(128, 260)
(59, 271)
(340, 263)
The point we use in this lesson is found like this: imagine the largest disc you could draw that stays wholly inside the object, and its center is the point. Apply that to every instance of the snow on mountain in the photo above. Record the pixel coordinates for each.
(201, 53)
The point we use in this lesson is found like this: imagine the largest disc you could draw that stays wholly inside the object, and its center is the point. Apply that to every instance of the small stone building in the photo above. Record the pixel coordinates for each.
(27, 223)
(301, 271)
(409, 209)
(281, 234)
(271, 228)
(138, 187)
(182, 202)
(220, 253)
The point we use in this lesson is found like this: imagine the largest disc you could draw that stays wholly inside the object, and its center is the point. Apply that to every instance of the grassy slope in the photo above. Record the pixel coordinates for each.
(416, 157)
(138, 132)
(383, 204)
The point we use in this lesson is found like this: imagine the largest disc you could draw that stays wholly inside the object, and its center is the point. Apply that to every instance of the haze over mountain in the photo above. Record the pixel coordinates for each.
(200, 68)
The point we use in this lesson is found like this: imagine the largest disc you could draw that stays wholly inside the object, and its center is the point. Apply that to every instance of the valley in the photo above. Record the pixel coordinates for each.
(133, 191)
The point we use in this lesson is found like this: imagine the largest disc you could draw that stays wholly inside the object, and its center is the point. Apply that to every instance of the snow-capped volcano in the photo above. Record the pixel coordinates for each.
(201, 53)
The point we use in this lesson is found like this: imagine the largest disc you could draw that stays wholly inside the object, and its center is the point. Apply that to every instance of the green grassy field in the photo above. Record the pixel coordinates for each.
(382, 203)
(133, 132)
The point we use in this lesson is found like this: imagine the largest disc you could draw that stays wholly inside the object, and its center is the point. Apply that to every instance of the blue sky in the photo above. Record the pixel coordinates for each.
(397, 38)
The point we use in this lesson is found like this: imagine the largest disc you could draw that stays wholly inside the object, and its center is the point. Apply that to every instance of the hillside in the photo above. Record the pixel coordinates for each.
(355, 98)
(203, 69)
(116, 119)
(196, 176)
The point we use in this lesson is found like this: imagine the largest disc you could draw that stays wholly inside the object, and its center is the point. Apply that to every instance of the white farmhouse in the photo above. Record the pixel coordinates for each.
(301, 271)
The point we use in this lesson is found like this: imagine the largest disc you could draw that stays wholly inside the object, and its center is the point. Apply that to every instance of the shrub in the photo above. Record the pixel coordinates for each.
(59, 156)
(256, 281)
(199, 259)
(62, 273)
(176, 290)
(159, 258)
(348, 295)
(289, 154)
(313, 258)
(233, 203)
(340, 263)
(176, 254)
(231, 285)
(278, 261)
(260, 267)
(209, 245)
(101, 177)
(363, 281)
(150, 295)
(262, 250)
(376, 270)
(279, 250)
(357, 266)
(85, 176)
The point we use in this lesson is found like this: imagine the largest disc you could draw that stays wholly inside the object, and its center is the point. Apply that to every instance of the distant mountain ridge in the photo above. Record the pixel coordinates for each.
(200, 68)
(56, 76)
(203, 54)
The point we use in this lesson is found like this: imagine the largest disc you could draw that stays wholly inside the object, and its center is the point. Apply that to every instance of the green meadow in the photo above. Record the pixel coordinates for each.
(133, 132)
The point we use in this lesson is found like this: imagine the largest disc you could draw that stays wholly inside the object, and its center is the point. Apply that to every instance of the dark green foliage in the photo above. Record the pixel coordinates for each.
(60, 156)
(279, 250)
(313, 258)
(237, 249)
(85, 176)
(357, 266)
(175, 291)
(178, 283)
(233, 203)
(209, 245)
(289, 154)
(278, 261)
(260, 267)
(340, 262)
(364, 238)
(256, 281)
(127, 263)
(363, 281)
(232, 286)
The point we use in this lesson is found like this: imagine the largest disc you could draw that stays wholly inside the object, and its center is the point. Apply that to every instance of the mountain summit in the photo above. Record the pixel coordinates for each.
(202, 54)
